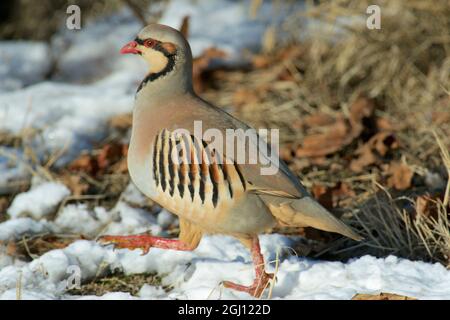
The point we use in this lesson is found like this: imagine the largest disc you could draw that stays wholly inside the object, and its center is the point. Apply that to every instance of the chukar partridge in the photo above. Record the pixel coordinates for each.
(218, 196)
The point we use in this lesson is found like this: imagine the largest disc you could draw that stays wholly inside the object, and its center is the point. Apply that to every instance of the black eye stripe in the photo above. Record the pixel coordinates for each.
(142, 41)
(158, 45)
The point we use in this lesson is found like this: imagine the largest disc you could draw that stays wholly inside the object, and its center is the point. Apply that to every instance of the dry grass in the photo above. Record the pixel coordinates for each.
(390, 226)
(117, 282)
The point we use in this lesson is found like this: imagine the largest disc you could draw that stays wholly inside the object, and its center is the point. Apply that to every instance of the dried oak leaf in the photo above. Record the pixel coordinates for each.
(440, 117)
(336, 136)
(11, 248)
(384, 124)
(338, 133)
(100, 161)
(370, 152)
(364, 158)
(381, 296)
(427, 206)
(318, 119)
(360, 109)
(109, 154)
(400, 176)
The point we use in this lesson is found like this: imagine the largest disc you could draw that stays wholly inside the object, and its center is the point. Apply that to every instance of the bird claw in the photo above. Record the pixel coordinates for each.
(256, 289)
(125, 242)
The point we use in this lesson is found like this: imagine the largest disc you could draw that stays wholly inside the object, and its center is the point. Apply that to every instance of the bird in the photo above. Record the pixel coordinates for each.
(207, 188)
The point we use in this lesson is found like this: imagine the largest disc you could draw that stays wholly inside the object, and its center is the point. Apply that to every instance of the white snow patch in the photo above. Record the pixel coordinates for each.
(78, 219)
(198, 274)
(38, 202)
(23, 63)
(132, 195)
(120, 220)
(15, 228)
(165, 218)
(131, 221)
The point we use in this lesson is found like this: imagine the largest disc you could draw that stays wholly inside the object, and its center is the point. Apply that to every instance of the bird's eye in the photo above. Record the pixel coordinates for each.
(149, 43)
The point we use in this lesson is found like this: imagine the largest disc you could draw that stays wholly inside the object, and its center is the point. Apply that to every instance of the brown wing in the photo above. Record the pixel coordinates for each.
(282, 182)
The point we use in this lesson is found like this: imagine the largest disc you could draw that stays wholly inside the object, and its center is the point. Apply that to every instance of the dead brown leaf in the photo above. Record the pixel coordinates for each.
(360, 109)
(338, 132)
(440, 117)
(400, 176)
(11, 249)
(427, 206)
(371, 152)
(384, 124)
(336, 136)
(381, 296)
(109, 154)
(383, 141)
(102, 160)
(318, 119)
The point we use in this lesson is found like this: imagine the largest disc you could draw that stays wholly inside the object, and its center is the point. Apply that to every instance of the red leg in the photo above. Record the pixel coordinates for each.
(262, 278)
(144, 242)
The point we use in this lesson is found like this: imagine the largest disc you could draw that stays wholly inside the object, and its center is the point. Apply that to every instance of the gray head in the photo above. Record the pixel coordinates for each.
(166, 51)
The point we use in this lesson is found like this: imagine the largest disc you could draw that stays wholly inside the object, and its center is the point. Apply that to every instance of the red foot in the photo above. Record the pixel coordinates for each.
(144, 242)
(262, 277)
(256, 289)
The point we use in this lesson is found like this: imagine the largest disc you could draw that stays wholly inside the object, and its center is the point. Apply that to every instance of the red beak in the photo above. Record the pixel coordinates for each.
(130, 47)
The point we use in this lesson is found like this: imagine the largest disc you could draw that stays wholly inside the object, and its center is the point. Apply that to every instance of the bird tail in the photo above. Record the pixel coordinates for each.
(306, 212)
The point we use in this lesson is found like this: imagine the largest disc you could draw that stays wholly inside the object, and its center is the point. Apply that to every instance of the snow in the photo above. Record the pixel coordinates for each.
(70, 111)
(15, 228)
(23, 63)
(78, 219)
(38, 202)
(198, 274)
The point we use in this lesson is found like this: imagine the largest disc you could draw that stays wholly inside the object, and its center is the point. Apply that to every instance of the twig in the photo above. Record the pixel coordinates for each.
(137, 11)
